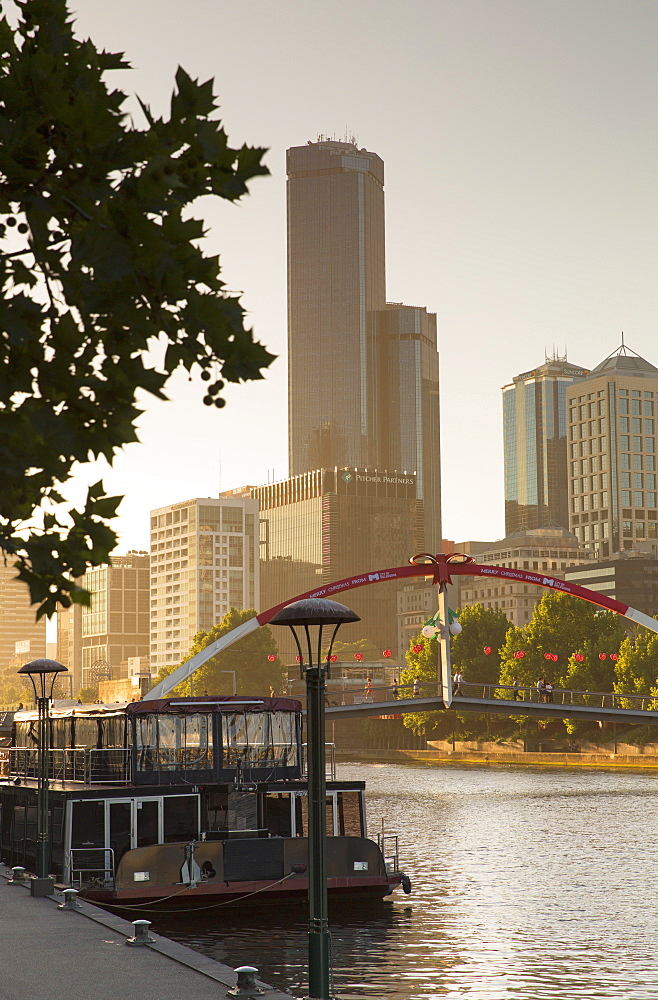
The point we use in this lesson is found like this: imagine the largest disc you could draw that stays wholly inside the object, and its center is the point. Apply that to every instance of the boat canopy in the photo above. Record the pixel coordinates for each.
(210, 703)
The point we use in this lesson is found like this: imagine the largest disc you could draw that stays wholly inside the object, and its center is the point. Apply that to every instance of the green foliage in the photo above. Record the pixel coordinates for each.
(346, 650)
(424, 666)
(637, 667)
(563, 625)
(254, 673)
(88, 695)
(100, 263)
(480, 627)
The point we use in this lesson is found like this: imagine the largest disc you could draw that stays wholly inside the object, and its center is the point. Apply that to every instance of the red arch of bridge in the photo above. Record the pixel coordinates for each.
(438, 567)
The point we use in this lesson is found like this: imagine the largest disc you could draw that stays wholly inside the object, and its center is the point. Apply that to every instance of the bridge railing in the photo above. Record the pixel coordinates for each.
(507, 692)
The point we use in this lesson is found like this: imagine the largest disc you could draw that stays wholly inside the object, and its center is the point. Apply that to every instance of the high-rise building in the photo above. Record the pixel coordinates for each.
(69, 643)
(336, 287)
(535, 445)
(18, 621)
(363, 374)
(115, 625)
(330, 524)
(204, 561)
(612, 416)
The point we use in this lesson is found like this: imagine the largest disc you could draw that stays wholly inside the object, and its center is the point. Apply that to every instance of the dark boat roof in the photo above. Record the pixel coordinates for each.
(213, 703)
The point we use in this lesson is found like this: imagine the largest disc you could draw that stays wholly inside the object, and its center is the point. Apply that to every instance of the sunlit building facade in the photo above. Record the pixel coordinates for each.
(612, 417)
(18, 620)
(325, 525)
(204, 561)
(535, 445)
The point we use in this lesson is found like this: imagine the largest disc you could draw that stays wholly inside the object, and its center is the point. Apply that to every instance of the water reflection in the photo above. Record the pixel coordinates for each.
(531, 884)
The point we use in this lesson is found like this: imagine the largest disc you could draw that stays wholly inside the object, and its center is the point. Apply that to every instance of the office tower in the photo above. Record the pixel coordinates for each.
(363, 374)
(329, 524)
(204, 561)
(409, 416)
(17, 621)
(550, 550)
(336, 286)
(69, 643)
(535, 445)
(612, 455)
(115, 625)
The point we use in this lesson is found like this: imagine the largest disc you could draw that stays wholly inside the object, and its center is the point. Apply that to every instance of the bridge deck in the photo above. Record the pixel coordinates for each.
(495, 706)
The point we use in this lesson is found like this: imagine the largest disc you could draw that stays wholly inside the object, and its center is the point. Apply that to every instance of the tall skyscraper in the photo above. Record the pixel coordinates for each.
(535, 446)
(336, 287)
(363, 374)
(612, 418)
(204, 561)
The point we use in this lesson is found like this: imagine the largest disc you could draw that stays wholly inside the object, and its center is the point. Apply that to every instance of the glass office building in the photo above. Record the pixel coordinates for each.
(535, 446)
(363, 374)
(612, 417)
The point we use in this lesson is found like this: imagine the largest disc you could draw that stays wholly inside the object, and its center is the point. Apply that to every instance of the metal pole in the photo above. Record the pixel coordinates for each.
(318, 928)
(43, 845)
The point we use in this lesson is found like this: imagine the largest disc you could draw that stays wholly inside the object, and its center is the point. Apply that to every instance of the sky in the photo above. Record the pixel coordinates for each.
(520, 146)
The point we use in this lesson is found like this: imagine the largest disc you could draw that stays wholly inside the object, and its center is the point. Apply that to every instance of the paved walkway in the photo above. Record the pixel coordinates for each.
(58, 955)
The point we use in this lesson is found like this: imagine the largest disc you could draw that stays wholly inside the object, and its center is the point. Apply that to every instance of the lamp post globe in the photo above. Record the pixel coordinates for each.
(43, 674)
(307, 620)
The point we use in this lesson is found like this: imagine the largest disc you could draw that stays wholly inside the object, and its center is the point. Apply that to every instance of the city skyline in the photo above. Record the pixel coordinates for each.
(521, 205)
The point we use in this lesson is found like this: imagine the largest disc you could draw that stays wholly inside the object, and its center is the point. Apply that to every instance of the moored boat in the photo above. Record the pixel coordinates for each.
(186, 802)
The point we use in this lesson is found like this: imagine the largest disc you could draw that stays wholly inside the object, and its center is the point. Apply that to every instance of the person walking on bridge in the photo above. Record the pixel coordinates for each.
(457, 682)
(541, 689)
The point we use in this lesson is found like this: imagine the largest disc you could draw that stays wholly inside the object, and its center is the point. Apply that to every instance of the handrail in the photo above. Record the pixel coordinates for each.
(89, 765)
(329, 760)
(105, 867)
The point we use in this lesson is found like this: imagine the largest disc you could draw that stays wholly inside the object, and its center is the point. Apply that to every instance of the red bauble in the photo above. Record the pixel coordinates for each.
(602, 656)
(519, 654)
(548, 656)
(578, 657)
(388, 652)
(614, 656)
(358, 656)
(418, 648)
(333, 657)
(271, 657)
(487, 650)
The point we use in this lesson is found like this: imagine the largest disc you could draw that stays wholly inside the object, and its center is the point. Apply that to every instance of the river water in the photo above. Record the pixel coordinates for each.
(527, 884)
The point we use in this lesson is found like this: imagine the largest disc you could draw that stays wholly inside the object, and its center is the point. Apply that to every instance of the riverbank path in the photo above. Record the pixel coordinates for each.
(56, 954)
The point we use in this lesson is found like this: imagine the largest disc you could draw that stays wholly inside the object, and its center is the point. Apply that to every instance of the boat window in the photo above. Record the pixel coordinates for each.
(350, 818)
(242, 811)
(301, 815)
(26, 734)
(258, 729)
(114, 732)
(216, 812)
(178, 742)
(277, 814)
(284, 735)
(60, 733)
(181, 818)
(148, 811)
(235, 729)
(88, 826)
(86, 733)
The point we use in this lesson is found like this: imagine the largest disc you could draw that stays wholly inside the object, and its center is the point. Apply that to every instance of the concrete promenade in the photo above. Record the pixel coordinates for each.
(59, 955)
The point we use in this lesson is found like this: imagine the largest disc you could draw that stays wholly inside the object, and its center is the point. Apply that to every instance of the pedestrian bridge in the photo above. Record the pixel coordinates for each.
(497, 699)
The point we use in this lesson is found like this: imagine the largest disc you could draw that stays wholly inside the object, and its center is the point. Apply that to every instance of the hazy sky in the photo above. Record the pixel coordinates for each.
(519, 140)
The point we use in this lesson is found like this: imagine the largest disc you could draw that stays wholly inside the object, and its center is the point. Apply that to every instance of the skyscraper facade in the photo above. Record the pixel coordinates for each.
(363, 374)
(612, 417)
(204, 561)
(535, 446)
(329, 524)
(336, 286)
(18, 620)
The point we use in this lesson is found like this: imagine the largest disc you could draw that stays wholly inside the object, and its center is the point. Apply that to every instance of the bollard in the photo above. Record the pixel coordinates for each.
(18, 876)
(70, 900)
(142, 935)
(246, 985)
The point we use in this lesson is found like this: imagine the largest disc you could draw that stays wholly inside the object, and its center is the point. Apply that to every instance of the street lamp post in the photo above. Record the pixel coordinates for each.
(42, 674)
(318, 613)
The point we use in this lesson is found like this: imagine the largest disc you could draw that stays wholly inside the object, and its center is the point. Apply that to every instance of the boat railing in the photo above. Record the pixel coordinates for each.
(87, 863)
(111, 765)
(388, 845)
(329, 761)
